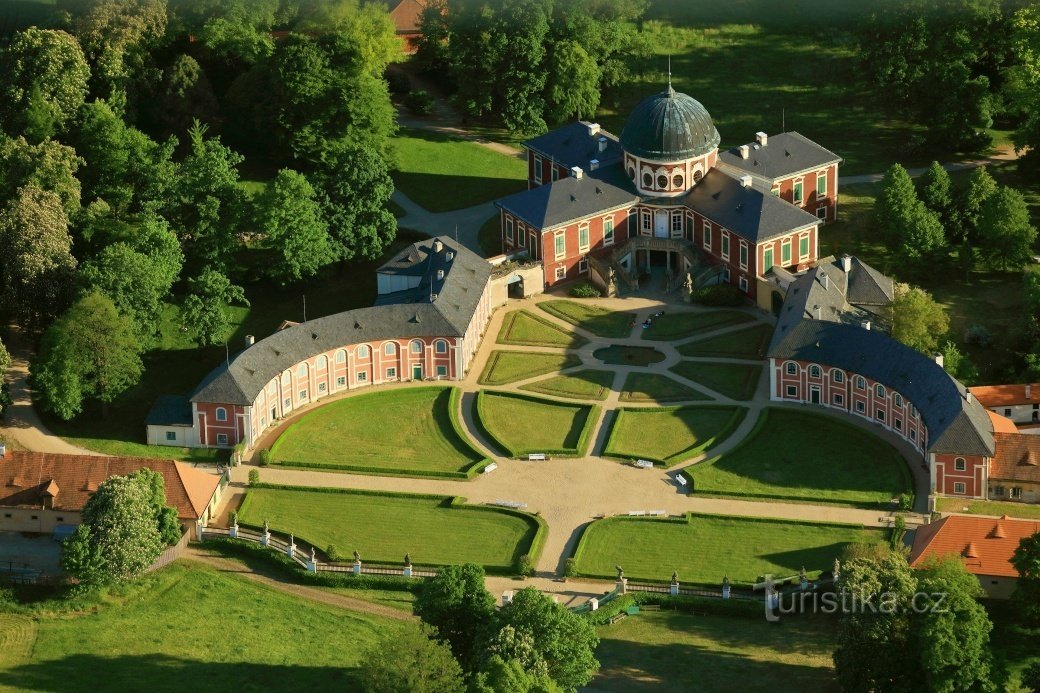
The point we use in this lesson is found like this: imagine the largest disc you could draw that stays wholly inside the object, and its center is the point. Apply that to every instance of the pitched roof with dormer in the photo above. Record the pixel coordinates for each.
(577, 144)
(1017, 458)
(783, 155)
(984, 544)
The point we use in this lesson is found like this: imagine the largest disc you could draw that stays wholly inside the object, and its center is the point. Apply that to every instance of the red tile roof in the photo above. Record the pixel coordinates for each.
(1017, 457)
(65, 482)
(405, 15)
(1002, 424)
(1006, 395)
(984, 544)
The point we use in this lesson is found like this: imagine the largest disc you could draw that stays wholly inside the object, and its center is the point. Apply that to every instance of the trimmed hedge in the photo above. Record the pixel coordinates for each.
(591, 417)
(734, 422)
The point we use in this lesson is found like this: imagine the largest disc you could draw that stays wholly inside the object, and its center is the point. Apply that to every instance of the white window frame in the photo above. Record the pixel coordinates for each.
(341, 356)
(559, 238)
(521, 235)
(583, 265)
(391, 373)
(646, 225)
(561, 273)
(808, 247)
(960, 488)
(792, 368)
(743, 283)
(798, 191)
(390, 348)
(222, 439)
(442, 371)
(821, 213)
(361, 377)
(416, 347)
(706, 230)
(440, 347)
(220, 414)
(537, 168)
(724, 245)
(789, 255)
(743, 255)
(821, 176)
(775, 190)
(677, 232)
(341, 381)
(767, 259)
(583, 237)
(509, 230)
(960, 464)
(171, 436)
(362, 351)
(554, 173)
(608, 231)
(792, 391)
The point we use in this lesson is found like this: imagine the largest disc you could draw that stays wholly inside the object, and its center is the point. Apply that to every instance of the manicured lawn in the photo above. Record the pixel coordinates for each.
(403, 431)
(706, 548)
(671, 434)
(384, 527)
(628, 355)
(667, 650)
(681, 325)
(995, 508)
(520, 424)
(734, 380)
(599, 321)
(146, 636)
(807, 457)
(587, 384)
(441, 173)
(509, 366)
(654, 387)
(743, 344)
(524, 328)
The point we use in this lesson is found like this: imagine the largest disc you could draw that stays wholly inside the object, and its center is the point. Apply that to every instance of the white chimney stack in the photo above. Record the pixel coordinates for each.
(824, 280)
(745, 181)
(967, 396)
(940, 360)
(866, 325)
(1028, 388)
(593, 164)
(602, 143)
(440, 274)
(817, 312)
(762, 138)
(3, 451)
(846, 263)
(745, 151)
(250, 340)
(593, 129)
(438, 246)
(576, 172)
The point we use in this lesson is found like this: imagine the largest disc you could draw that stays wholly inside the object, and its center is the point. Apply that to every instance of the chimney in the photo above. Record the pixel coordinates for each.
(745, 151)
(438, 246)
(745, 181)
(824, 280)
(1028, 388)
(817, 312)
(846, 263)
(593, 129)
(250, 340)
(449, 256)
(762, 138)
(967, 396)
(866, 325)
(3, 451)
(593, 164)
(576, 172)
(939, 359)
(440, 274)
(602, 143)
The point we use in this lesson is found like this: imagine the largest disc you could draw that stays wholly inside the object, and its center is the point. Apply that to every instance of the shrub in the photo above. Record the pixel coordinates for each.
(570, 568)
(233, 518)
(895, 539)
(719, 295)
(332, 553)
(419, 102)
(978, 334)
(525, 566)
(906, 502)
(263, 458)
(254, 477)
(585, 290)
(398, 82)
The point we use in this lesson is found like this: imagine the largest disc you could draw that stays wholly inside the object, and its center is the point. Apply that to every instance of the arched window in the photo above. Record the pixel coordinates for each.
(838, 376)
(632, 172)
(301, 370)
(959, 464)
(861, 383)
(221, 414)
(440, 346)
(814, 371)
(322, 362)
(417, 346)
(662, 181)
(879, 390)
(677, 180)
(341, 356)
(648, 180)
(362, 351)
(792, 368)
(897, 400)
(286, 379)
(389, 348)
(697, 175)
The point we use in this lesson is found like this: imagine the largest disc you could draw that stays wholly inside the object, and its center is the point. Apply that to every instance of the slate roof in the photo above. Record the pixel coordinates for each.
(669, 126)
(984, 544)
(570, 199)
(571, 145)
(170, 410)
(784, 154)
(67, 481)
(1017, 458)
(746, 211)
(401, 315)
(955, 424)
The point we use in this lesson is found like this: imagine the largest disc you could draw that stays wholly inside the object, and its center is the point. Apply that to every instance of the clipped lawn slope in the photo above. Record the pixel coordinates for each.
(599, 321)
(654, 387)
(524, 328)
(681, 325)
(807, 457)
(742, 344)
(587, 384)
(733, 380)
(671, 434)
(402, 431)
(520, 424)
(505, 367)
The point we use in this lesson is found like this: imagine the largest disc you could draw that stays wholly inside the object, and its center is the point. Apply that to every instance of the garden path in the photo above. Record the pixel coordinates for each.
(466, 222)
(1001, 154)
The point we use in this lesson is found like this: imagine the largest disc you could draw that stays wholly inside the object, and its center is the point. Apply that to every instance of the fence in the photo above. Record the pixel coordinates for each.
(171, 554)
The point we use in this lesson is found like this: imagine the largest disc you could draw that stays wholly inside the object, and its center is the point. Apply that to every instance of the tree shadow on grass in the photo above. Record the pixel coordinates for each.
(161, 672)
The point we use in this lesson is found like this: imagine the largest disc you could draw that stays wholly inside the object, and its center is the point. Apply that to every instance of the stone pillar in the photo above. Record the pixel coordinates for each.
(725, 587)
(621, 586)
(265, 537)
(507, 597)
(407, 572)
(233, 531)
(593, 604)
(312, 562)
(803, 580)
(357, 567)
(673, 589)
(290, 550)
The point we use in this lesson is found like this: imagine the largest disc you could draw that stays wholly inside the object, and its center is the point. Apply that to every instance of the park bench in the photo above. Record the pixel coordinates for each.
(516, 505)
(491, 467)
(537, 457)
(656, 513)
(681, 480)
(616, 617)
(636, 513)
(644, 464)
(650, 607)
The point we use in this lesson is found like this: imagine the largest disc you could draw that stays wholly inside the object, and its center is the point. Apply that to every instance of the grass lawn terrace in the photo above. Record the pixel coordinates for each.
(844, 464)
(383, 527)
(742, 344)
(587, 384)
(681, 325)
(135, 637)
(510, 366)
(671, 434)
(588, 316)
(655, 387)
(706, 548)
(399, 431)
(524, 328)
(734, 380)
(520, 424)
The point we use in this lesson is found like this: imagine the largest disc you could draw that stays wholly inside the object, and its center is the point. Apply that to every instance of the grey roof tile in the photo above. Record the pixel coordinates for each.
(573, 145)
(784, 154)
(570, 199)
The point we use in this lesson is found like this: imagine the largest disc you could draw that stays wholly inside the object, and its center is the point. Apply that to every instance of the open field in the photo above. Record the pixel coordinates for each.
(743, 344)
(599, 321)
(655, 387)
(441, 173)
(402, 431)
(510, 366)
(706, 548)
(734, 380)
(682, 325)
(383, 527)
(621, 355)
(669, 435)
(710, 653)
(995, 508)
(142, 637)
(586, 384)
(524, 328)
(520, 424)
(844, 464)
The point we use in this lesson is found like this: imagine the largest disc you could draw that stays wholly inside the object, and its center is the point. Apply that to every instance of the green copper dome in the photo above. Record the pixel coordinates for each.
(669, 126)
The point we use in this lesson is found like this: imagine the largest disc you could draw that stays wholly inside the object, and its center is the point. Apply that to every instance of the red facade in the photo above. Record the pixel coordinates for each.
(825, 206)
(960, 475)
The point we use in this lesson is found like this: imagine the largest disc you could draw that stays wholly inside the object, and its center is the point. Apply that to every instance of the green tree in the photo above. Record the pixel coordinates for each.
(354, 186)
(951, 633)
(185, 96)
(411, 660)
(36, 264)
(48, 165)
(564, 640)
(456, 603)
(1026, 561)
(5, 360)
(45, 76)
(289, 217)
(1031, 678)
(957, 363)
(897, 204)
(922, 238)
(501, 675)
(937, 195)
(981, 187)
(164, 515)
(91, 351)
(917, 320)
(573, 83)
(205, 308)
(1022, 84)
(118, 538)
(1006, 235)
(238, 30)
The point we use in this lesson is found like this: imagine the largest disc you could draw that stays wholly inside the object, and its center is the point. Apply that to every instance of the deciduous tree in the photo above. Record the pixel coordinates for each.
(1006, 236)
(937, 195)
(289, 217)
(411, 660)
(165, 516)
(205, 308)
(917, 320)
(897, 203)
(1026, 561)
(981, 187)
(456, 603)
(48, 165)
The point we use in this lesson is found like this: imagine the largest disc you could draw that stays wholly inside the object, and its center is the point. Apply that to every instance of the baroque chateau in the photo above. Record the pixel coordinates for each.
(661, 200)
